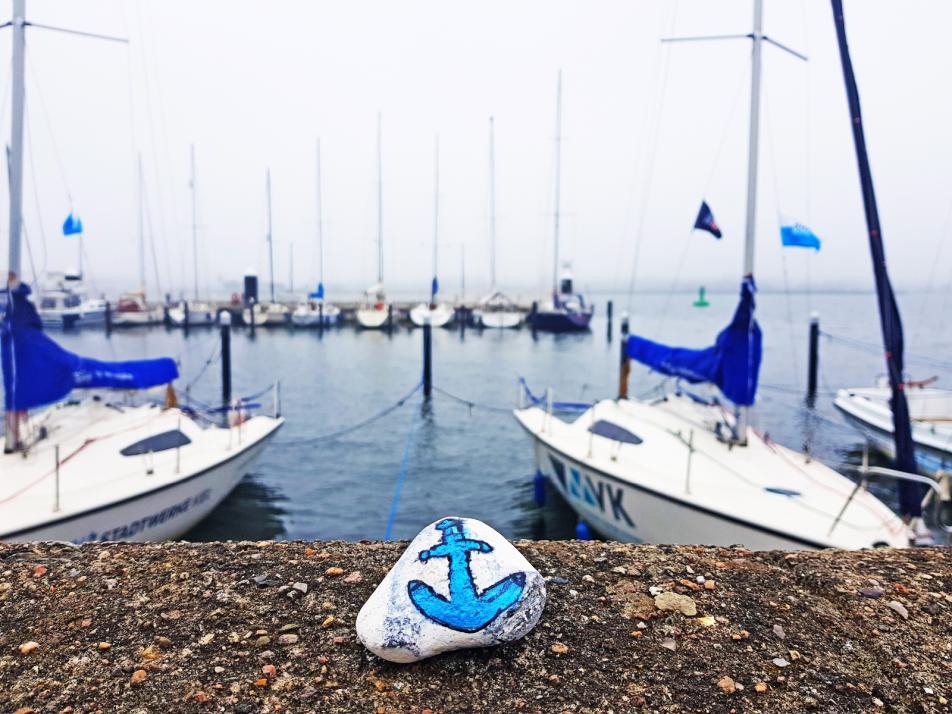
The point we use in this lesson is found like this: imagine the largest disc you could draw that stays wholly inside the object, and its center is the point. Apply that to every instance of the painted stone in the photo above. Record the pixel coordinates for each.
(459, 584)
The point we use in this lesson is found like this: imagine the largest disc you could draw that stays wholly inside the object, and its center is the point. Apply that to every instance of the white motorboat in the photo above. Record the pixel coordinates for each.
(375, 311)
(434, 314)
(664, 471)
(682, 468)
(267, 314)
(194, 313)
(314, 312)
(930, 411)
(66, 305)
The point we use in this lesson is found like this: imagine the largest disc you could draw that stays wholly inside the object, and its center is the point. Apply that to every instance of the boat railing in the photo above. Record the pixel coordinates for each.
(937, 489)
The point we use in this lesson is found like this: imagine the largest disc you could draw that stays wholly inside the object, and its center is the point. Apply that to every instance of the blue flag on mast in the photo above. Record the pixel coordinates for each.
(705, 221)
(799, 236)
(72, 225)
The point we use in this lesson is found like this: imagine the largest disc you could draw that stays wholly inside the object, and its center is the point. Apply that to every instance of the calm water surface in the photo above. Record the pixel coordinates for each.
(476, 461)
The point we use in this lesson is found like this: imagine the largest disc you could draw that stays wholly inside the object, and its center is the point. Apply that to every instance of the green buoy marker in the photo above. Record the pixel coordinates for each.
(701, 300)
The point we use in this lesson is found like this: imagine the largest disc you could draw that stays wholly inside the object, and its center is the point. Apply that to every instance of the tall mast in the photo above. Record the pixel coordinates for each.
(320, 222)
(436, 216)
(141, 224)
(16, 137)
(492, 206)
(270, 244)
(379, 200)
(291, 266)
(558, 188)
(753, 143)
(194, 222)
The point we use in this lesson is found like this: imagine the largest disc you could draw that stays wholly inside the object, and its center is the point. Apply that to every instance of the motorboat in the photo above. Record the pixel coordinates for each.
(132, 310)
(67, 306)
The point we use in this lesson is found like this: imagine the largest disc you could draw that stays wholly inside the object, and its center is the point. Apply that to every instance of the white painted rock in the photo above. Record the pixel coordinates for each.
(460, 584)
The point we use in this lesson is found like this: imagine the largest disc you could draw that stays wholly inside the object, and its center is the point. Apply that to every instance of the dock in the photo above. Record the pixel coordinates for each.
(269, 626)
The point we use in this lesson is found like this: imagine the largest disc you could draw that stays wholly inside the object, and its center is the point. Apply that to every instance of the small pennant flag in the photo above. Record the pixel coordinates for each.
(72, 225)
(799, 236)
(319, 293)
(705, 221)
(434, 287)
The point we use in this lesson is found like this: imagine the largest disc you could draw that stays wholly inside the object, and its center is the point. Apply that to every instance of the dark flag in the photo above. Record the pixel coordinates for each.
(705, 221)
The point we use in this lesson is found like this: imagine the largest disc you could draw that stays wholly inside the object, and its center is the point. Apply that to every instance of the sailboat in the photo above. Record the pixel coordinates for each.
(99, 465)
(566, 311)
(496, 310)
(434, 313)
(375, 310)
(272, 313)
(314, 310)
(685, 468)
(132, 309)
(195, 312)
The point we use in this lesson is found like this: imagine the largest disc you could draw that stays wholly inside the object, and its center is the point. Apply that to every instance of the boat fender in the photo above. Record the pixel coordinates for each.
(581, 531)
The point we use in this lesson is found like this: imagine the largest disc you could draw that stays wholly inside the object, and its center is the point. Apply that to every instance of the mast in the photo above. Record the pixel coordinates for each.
(757, 37)
(320, 223)
(492, 207)
(379, 201)
(16, 138)
(558, 190)
(270, 244)
(194, 222)
(910, 503)
(436, 217)
(291, 266)
(141, 224)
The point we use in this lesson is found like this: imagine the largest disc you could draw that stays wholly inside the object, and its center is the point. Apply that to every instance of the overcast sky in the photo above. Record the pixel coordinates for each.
(650, 130)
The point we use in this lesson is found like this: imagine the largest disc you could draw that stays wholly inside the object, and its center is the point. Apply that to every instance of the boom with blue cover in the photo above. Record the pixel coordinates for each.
(732, 362)
(37, 371)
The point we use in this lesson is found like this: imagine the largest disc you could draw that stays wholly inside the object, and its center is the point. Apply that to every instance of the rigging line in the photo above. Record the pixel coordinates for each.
(36, 200)
(152, 142)
(470, 403)
(768, 125)
(49, 127)
(940, 245)
(728, 124)
(361, 424)
(877, 349)
(402, 474)
(148, 220)
(807, 144)
(663, 57)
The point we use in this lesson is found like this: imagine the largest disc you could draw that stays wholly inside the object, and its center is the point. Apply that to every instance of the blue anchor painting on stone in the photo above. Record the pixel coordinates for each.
(459, 584)
(466, 609)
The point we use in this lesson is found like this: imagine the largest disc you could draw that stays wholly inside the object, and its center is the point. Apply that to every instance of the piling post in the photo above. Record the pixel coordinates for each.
(251, 311)
(390, 317)
(56, 498)
(185, 313)
(320, 318)
(532, 316)
(625, 366)
(427, 359)
(609, 316)
(108, 318)
(224, 320)
(814, 358)
(166, 320)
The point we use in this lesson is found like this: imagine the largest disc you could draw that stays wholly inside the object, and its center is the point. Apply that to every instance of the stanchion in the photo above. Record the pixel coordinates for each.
(251, 311)
(625, 366)
(609, 316)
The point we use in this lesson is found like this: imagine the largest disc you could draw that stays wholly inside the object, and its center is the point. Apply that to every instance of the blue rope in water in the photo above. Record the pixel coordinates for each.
(401, 476)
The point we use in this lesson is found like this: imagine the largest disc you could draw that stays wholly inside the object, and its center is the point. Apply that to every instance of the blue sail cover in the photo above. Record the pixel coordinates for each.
(37, 371)
(732, 362)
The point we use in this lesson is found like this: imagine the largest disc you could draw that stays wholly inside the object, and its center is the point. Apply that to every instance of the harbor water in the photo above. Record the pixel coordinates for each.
(462, 452)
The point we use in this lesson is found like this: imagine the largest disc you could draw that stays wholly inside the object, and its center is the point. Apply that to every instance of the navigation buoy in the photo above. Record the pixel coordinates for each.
(701, 300)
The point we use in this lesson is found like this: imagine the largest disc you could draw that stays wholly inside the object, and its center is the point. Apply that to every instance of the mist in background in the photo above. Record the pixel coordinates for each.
(650, 130)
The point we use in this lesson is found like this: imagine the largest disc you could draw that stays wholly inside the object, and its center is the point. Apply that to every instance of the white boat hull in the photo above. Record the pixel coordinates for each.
(165, 513)
(313, 317)
(137, 319)
(197, 317)
(372, 318)
(273, 316)
(500, 320)
(678, 482)
(438, 316)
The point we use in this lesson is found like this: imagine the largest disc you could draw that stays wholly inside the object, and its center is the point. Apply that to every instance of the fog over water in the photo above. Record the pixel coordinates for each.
(650, 130)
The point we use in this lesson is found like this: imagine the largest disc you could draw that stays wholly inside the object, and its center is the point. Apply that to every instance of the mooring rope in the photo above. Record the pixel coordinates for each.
(402, 474)
(875, 348)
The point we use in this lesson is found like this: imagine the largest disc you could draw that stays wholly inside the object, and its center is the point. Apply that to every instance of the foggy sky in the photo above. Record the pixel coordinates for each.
(649, 129)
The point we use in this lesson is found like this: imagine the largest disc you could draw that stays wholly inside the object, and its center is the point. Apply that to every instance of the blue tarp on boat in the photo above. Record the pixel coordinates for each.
(37, 371)
(732, 362)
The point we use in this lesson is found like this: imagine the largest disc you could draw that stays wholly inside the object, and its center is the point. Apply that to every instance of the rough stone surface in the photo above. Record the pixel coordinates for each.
(856, 654)
(459, 584)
